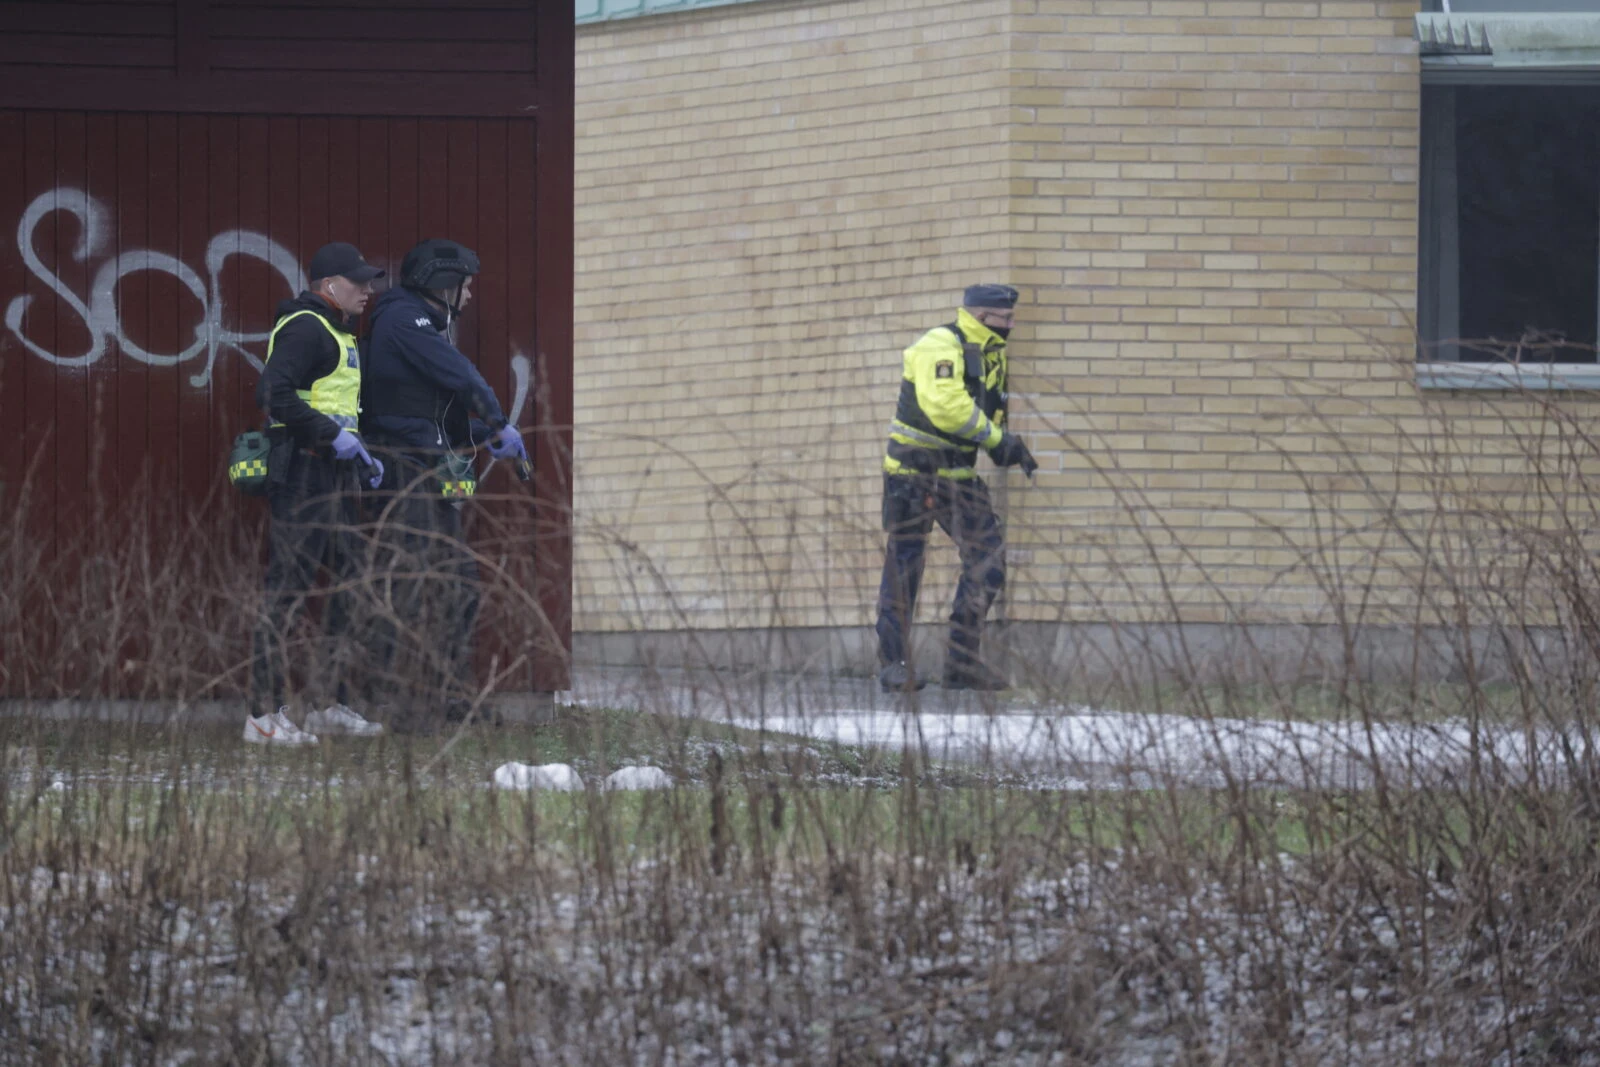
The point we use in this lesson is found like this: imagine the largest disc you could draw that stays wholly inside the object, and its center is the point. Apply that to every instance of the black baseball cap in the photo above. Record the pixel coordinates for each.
(343, 260)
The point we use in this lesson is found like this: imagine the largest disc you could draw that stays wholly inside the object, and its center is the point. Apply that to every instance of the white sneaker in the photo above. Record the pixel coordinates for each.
(275, 729)
(339, 719)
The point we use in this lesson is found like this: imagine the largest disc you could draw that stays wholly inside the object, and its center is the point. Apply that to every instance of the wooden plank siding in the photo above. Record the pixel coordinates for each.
(416, 58)
(552, 281)
(201, 185)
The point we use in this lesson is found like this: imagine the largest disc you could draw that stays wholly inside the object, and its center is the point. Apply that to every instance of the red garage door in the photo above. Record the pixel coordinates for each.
(151, 251)
(147, 234)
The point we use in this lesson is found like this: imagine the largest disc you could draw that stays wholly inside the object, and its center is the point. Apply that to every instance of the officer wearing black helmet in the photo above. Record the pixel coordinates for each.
(953, 397)
(424, 409)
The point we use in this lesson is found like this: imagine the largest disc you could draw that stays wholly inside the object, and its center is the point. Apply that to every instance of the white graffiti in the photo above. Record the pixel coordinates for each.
(522, 377)
(522, 374)
(100, 313)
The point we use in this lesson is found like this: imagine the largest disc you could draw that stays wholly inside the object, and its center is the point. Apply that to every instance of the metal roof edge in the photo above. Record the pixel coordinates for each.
(593, 11)
(1542, 40)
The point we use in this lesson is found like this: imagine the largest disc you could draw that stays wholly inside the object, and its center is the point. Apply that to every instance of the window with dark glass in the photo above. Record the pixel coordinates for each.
(1510, 223)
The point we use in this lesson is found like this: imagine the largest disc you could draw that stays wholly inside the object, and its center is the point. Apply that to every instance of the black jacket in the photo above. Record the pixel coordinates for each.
(303, 351)
(417, 389)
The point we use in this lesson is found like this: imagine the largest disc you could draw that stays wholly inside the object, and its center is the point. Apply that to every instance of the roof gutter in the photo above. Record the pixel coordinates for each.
(1511, 41)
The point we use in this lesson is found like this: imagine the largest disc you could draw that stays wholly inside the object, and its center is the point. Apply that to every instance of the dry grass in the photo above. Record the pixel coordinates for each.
(166, 897)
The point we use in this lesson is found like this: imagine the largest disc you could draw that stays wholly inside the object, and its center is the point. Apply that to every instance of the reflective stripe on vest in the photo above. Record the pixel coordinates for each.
(917, 446)
(338, 395)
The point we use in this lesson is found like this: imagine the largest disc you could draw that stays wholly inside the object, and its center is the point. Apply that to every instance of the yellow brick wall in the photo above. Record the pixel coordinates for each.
(772, 201)
(1215, 213)
(1210, 208)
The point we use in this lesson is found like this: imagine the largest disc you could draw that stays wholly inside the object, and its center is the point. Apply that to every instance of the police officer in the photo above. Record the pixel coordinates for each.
(425, 407)
(952, 403)
(310, 389)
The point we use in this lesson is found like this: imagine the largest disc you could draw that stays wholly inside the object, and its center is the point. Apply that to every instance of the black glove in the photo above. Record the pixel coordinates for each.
(1011, 452)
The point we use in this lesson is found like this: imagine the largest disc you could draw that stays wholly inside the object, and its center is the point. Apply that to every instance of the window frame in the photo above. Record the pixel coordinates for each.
(1435, 183)
(1533, 7)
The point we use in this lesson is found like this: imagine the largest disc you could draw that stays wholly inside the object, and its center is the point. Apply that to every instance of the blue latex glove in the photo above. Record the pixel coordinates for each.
(506, 443)
(348, 446)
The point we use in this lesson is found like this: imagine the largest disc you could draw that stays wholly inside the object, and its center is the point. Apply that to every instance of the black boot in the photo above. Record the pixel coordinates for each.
(898, 678)
(973, 674)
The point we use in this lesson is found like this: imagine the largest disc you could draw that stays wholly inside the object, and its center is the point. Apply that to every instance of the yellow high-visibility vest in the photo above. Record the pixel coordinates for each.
(338, 395)
(952, 401)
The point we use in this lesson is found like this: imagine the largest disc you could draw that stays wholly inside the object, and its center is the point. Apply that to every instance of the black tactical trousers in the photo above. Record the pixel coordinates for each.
(315, 509)
(912, 504)
(427, 592)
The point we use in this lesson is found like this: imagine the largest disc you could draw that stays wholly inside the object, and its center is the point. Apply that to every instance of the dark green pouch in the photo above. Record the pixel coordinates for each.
(247, 462)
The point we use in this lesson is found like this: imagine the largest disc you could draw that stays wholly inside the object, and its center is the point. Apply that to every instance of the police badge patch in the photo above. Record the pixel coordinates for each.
(944, 369)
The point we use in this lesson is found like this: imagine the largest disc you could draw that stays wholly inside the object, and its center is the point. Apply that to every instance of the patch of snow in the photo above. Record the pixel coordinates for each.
(557, 777)
(1102, 747)
(639, 778)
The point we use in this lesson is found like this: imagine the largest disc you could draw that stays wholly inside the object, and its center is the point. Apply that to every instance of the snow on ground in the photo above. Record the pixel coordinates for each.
(638, 778)
(1077, 747)
(1094, 959)
(557, 777)
(1097, 744)
(562, 778)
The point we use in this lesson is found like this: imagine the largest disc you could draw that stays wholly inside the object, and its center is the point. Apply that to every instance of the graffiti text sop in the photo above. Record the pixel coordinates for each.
(99, 311)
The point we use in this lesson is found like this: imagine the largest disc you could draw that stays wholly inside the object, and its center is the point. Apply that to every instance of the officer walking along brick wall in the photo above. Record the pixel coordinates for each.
(310, 389)
(425, 408)
(952, 402)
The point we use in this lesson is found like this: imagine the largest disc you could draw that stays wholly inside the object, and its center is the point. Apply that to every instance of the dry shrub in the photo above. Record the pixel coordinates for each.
(168, 897)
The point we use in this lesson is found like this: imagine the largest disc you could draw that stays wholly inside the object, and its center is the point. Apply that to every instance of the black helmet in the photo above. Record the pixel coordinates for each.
(437, 264)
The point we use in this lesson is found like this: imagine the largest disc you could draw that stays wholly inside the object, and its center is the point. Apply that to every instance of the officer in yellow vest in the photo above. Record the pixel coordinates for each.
(310, 389)
(953, 395)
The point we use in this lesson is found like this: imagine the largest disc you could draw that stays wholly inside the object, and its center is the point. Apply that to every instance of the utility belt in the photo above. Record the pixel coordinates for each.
(344, 422)
(259, 460)
(451, 476)
(924, 460)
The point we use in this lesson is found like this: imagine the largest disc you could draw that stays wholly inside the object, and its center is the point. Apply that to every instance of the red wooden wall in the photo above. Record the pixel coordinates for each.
(418, 57)
(168, 169)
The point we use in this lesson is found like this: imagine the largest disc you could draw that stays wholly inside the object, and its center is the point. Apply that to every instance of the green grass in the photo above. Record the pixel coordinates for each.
(750, 806)
(129, 789)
